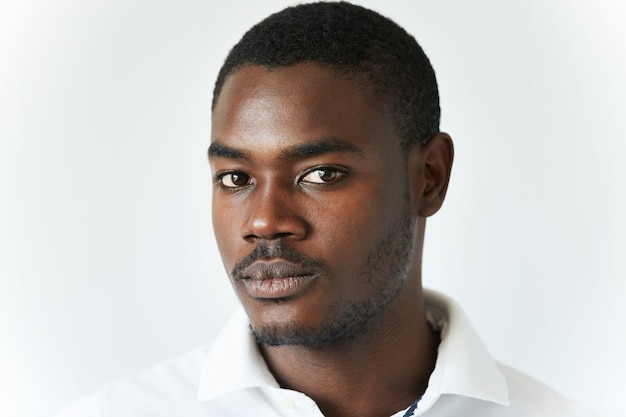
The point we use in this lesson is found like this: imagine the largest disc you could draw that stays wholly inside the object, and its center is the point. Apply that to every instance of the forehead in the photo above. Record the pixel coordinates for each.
(293, 103)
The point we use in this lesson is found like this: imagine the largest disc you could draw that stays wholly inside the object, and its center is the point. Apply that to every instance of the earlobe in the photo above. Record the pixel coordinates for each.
(430, 165)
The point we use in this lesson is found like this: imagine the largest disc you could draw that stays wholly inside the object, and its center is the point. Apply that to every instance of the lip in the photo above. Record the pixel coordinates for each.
(275, 280)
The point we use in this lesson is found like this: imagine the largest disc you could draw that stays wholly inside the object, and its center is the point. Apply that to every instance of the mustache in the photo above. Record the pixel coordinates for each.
(264, 251)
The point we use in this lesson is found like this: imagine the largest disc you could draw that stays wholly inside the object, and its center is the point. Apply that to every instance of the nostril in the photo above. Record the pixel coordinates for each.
(274, 221)
(254, 238)
(275, 229)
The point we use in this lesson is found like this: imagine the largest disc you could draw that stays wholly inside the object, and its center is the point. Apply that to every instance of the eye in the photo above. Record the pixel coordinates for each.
(233, 180)
(323, 175)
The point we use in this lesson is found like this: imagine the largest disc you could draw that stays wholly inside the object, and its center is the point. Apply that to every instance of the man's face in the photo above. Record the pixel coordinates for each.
(310, 205)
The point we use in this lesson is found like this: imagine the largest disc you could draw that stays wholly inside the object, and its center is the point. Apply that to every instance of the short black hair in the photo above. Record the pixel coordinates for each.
(353, 40)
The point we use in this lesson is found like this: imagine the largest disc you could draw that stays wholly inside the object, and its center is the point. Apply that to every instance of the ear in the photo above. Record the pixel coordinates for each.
(429, 167)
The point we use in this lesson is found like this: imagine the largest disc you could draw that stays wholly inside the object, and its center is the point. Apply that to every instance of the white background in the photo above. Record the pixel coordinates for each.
(107, 259)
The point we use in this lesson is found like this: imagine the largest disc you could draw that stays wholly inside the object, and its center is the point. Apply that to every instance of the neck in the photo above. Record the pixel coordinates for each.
(376, 374)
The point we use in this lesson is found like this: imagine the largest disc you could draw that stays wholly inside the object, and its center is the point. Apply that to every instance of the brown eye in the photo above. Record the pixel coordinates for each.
(234, 180)
(322, 175)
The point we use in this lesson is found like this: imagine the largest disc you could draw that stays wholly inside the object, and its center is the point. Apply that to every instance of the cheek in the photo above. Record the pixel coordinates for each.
(226, 233)
(351, 227)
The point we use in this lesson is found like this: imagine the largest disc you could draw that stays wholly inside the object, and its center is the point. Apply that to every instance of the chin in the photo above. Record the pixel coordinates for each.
(279, 324)
(296, 334)
(352, 321)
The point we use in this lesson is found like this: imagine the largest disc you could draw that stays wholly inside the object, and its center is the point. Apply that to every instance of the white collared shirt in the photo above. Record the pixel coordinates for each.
(231, 379)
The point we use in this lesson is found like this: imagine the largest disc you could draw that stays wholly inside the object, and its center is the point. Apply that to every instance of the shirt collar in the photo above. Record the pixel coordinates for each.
(234, 362)
(464, 366)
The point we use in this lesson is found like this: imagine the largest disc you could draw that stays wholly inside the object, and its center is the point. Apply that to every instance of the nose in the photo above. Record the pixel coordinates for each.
(274, 214)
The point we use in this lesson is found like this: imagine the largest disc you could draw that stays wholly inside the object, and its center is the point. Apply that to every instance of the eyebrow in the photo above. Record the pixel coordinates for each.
(331, 144)
(325, 145)
(219, 150)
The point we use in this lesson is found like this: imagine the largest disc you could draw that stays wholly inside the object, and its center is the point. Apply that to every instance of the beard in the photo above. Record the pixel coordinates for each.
(384, 272)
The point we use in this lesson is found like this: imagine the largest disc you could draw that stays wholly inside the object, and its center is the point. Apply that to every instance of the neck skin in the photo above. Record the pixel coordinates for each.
(375, 375)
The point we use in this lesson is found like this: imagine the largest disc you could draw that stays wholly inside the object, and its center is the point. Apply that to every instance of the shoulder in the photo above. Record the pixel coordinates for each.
(170, 385)
(533, 398)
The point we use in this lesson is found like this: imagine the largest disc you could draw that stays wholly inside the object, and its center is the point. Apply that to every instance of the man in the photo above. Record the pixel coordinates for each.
(327, 159)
